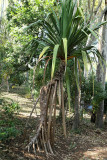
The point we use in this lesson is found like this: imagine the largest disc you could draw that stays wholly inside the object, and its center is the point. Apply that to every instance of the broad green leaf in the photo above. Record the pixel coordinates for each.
(43, 51)
(55, 51)
(84, 56)
(65, 49)
(64, 18)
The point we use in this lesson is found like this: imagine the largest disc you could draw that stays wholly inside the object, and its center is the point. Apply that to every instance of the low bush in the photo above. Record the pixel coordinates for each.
(10, 108)
(8, 133)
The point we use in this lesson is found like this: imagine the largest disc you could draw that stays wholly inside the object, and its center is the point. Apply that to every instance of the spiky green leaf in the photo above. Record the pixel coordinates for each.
(55, 52)
(43, 51)
(93, 33)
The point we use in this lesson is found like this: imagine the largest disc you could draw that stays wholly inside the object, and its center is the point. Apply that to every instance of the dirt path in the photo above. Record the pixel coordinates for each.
(87, 143)
(25, 104)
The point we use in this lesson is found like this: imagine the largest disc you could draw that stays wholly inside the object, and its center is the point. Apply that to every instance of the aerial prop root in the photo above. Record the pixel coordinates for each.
(44, 136)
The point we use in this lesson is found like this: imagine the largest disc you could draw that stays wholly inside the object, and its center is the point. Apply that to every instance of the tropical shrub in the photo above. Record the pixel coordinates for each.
(10, 108)
(93, 92)
(8, 133)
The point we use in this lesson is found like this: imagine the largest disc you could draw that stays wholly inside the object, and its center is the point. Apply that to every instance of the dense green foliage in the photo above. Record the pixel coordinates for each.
(93, 93)
(8, 133)
(10, 108)
(8, 130)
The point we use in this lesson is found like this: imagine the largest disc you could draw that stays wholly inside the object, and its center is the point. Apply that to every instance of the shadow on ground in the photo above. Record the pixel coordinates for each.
(84, 144)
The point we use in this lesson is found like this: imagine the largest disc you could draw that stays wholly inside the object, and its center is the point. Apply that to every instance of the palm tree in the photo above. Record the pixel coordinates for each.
(63, 34)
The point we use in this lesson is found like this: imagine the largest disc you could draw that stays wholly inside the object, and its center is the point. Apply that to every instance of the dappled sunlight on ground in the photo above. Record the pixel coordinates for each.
(96, 153)
(25, 104)
(87, 143)
(87, 116)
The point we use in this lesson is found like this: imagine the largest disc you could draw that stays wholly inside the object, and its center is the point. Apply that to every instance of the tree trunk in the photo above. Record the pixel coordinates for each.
(7, 82)
(63, 109)
(48, 94)
(2, 8)
(76, 110)
(105, 118)
(101, 75)
(100, 111)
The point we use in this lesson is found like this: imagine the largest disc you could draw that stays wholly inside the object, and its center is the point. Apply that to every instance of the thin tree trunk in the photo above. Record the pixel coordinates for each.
(100, 111)
(76, 110)
(7, 82)
(101, 74)
(2, 8)
(105, 118)
(63, 110)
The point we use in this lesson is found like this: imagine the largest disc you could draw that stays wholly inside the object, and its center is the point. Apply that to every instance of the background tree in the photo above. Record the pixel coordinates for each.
(102, 72)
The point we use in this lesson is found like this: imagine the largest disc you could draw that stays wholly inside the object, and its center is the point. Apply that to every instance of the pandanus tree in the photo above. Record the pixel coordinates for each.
(63, 33)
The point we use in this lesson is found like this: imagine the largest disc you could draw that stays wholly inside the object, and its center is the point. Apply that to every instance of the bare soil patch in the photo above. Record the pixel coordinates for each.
(87, 143)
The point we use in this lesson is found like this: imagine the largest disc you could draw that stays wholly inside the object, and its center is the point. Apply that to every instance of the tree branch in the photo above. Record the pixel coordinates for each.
(96, 10)
(103, 12)
(91, 14)
(89, 5)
